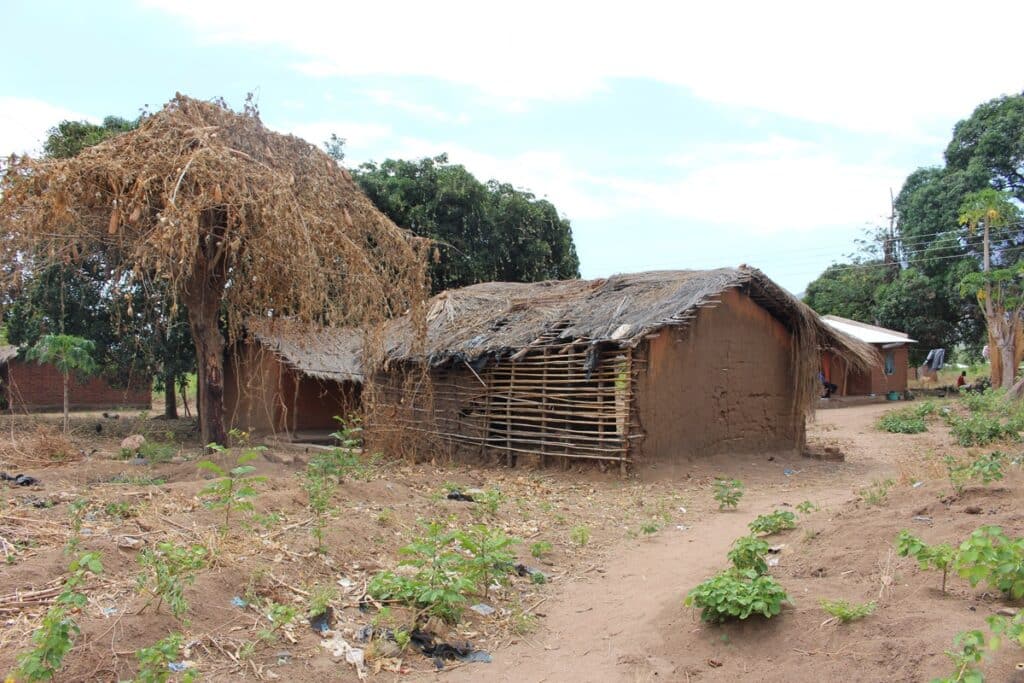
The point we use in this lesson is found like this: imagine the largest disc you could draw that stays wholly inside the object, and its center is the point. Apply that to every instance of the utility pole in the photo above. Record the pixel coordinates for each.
(889, 242)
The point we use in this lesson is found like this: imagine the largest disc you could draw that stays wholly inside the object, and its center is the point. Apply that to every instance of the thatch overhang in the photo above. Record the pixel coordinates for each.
(497, 320)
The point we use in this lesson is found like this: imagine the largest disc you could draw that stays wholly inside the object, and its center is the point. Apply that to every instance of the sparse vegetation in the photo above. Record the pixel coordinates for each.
(727, 492)
(748, 552)
(773, 523)
(806, 507)
(580, 535)
(939, 556)
(540, 549)
(986, 468)
(737, 594)
(236, 488)
(847, 611)
(877, 493)
(166, 572)
(155, 661)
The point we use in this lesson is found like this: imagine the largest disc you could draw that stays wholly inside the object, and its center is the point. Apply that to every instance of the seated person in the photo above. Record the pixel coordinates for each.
(961, 381)
(828, 386)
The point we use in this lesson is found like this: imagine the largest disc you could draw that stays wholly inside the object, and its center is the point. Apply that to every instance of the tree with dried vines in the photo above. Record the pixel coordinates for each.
(238, 222)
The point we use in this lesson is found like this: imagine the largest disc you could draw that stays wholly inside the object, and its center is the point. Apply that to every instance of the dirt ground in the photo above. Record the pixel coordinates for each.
(612, 608)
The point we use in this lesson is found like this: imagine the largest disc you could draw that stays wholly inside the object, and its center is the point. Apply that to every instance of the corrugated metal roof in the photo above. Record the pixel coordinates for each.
(869, 334)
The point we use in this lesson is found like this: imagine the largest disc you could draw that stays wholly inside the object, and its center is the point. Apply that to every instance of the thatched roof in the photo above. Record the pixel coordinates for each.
(500, 319)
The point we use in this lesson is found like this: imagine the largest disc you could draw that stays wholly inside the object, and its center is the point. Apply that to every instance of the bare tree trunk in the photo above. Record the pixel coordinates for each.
(1006, 356)
(67, 405)
(210, 370)
(170, 398)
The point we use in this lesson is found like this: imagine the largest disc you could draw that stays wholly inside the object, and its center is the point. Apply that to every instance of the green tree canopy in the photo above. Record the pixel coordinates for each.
(483, 232)
(69, 354)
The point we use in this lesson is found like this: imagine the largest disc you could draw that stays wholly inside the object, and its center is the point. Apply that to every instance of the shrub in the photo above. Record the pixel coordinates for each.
(987, 468)
(155, 660)
(806, 507)
(940, 556)
(728, 492)
(846, 611)
(981, 429)
(540, 549)
(737, 594)
(988, 555)
(166, 572)
(748, 553)
(903, 421)
(773, 523)
(580, 535)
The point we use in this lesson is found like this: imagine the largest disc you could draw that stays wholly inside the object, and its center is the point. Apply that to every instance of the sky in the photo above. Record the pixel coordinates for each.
(671, 135)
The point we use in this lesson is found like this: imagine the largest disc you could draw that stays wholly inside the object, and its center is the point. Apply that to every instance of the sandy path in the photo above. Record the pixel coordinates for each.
(603, 626)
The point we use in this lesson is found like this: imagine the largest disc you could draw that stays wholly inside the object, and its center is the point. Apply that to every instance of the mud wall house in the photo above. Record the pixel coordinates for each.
(283, 380)
(643, 368)
(888, 373)
(29, 386)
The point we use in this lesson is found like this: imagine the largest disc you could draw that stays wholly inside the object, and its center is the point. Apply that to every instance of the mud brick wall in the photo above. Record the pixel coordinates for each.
(31, 386)
(724, 384)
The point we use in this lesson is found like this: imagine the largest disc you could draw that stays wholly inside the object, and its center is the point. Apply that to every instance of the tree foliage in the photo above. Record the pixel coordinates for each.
(483, 231)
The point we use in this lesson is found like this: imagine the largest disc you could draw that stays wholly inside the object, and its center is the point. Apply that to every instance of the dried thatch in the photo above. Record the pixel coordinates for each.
(329, 353)
(235, 218)
(498, 320)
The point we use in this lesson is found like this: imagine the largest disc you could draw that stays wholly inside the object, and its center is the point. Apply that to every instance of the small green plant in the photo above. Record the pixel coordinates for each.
(157, 452)
(77, 510)
(488, 503)
(320, 598)
(737, 594)
(280, 617)
(969, 650)
(136, 480)
(904, 421)
(651, 526)
(540, 549)
(580, 535)
(847, 611)
(386, 517)
(438, 583)
(986, 468)
(490, 555)
(988, 555)
(940, 556)
(728, 492)
(877, 493)
(748, 552)
(122, 510)
(320, 489)
(55, 637)
(338, 464)
(166, 572)
(806, 507)
(155, 661)
(524, 623)
(236, 487)
(773, 523)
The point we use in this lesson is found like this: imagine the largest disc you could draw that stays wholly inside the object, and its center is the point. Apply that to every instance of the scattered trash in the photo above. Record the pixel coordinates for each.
(340, 648)
(682, 527)
(365, 633)
(40, 503)
(239, 602)
(482, 609)
(112, 416)
(524, 571)
(179, 667)
(789, 473)
(458, 495)
(19, 479)
(682, 510)
(776, 548)
(917, 484)
(922, 518)
(323, 622)
(426, 644)
(345, 582)
(773, 562)
(283, 657)
(109, 611)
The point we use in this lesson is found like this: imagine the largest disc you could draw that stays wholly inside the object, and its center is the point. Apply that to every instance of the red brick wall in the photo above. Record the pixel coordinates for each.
(32, 386)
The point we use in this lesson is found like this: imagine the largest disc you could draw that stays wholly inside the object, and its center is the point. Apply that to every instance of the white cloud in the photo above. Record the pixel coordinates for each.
(874, 66)
(25, 121)
(388, 98)
(358, 136)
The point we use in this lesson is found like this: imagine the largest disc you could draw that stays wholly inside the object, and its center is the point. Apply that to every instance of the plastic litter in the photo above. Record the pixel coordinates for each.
(923, 519)
(239, 602)
(917, 484)
(178, 667)
(283, 657)
(426, 644)
(789, 473)
(482, 609)
(340, 648)
(323, 622)
(458, 495)
(365, 633)
(19, 479)
(776, 548)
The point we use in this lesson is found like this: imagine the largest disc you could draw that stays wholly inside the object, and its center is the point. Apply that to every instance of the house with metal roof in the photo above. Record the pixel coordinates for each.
(881, 378)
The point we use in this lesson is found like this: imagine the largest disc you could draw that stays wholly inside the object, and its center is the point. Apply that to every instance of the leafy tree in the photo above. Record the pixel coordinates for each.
(68, 354)
(999, 291)
(135, 327)
(483, 232)
(849, 290)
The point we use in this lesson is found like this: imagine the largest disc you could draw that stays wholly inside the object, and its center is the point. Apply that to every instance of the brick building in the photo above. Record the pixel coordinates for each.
(890, 374)
(30, 386)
